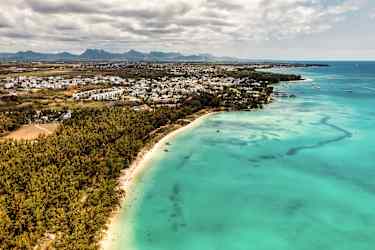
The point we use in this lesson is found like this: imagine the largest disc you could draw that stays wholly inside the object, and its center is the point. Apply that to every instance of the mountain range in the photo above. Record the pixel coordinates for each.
(102, 55)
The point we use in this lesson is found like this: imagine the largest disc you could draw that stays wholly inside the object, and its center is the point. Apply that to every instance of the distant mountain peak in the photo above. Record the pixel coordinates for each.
(133, 51)
(134, 54)
(103, 55)
(94, 51)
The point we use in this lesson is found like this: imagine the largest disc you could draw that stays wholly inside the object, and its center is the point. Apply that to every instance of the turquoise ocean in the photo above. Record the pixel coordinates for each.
(296, 175)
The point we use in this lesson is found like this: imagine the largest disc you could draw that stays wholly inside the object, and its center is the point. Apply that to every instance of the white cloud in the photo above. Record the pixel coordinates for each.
(372, 14)
(184, 25)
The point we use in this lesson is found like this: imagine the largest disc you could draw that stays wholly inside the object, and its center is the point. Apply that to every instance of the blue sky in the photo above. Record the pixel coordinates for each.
(272, 29)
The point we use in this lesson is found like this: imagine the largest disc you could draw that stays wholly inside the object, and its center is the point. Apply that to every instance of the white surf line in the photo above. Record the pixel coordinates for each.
(307, 79)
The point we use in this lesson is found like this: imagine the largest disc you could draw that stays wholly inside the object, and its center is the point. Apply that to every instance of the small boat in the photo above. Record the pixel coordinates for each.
(348, 90)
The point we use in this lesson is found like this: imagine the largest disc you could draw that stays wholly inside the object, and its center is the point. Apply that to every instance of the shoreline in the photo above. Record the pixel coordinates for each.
(127, 180)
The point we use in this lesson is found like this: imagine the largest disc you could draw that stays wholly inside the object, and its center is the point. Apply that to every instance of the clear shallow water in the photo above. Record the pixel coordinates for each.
(299, 174)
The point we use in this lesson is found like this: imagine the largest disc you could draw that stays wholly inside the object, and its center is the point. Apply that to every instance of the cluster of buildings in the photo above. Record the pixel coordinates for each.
(164, 90)
(105, 66)
(172, 91)
(179, 82)
(57, 82)
(110, 94)
(172, 69)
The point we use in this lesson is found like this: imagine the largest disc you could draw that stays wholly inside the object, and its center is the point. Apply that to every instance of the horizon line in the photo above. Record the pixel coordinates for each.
(200, 53)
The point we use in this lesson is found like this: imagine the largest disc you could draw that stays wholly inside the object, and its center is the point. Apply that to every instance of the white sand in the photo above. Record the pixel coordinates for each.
(127, 179)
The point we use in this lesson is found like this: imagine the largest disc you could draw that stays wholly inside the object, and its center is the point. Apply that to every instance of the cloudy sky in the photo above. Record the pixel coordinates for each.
(280, 29)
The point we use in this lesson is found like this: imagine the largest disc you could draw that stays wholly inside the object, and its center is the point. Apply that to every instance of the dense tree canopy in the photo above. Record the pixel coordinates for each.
(64, 187)
(263, 76)
(59, 191)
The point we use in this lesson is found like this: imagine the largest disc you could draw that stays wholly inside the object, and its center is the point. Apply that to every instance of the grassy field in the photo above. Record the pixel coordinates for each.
(42, 73)
(32, 131)
(37, 70)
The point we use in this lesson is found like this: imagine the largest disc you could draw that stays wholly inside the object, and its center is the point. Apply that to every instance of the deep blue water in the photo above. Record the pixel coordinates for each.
(299, 174)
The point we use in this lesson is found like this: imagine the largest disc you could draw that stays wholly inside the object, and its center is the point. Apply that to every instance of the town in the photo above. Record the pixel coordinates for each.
(236, 86)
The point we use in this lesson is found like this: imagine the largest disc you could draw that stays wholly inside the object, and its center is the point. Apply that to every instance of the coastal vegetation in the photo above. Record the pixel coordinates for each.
(7, 123)
(262, 76)
(60, 190)
(12, 120)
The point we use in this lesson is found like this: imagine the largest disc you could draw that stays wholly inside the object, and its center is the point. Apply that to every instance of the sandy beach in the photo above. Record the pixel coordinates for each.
(127, 181)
